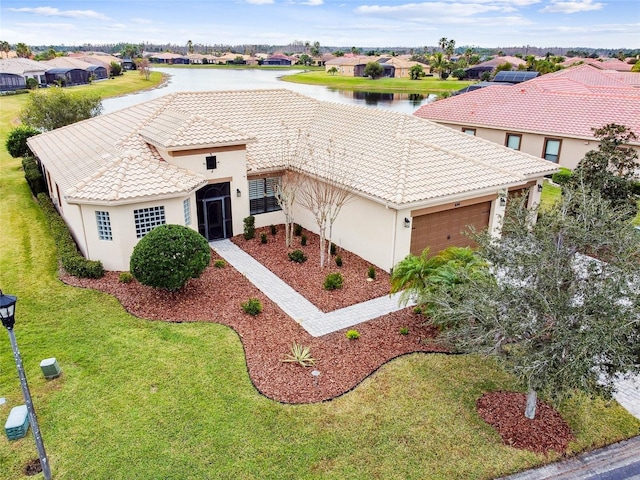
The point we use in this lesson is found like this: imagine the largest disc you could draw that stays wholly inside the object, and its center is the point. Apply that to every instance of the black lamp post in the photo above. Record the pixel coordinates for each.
(7, 312)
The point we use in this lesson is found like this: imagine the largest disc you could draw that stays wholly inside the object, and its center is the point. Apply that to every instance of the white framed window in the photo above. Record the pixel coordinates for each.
(552, 149)
(186, 207)
(104, 226)
(513, 140)
(148, 218)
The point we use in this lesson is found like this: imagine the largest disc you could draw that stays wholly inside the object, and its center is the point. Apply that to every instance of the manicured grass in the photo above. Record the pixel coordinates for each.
(550, 194)
(424, 85)
(141, 399)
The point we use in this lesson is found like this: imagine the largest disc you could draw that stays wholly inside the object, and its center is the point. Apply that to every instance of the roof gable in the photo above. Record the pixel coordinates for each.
(175, 131)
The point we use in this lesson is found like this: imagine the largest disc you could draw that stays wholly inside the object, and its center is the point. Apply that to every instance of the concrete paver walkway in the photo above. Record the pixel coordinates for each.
(318, 323)
(310, 317)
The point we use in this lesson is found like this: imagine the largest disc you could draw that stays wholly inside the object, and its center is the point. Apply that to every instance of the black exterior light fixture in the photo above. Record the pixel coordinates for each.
(7, 314)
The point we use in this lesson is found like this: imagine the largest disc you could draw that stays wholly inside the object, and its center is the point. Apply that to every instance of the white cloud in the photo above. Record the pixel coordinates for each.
(45, 26)
(312, 3)
(576, 6)
(142, 21)
(56, 12)
(430, 10)
(260, 2)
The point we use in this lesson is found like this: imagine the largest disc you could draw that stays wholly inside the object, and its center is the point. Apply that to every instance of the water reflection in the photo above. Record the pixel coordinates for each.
(205, 79)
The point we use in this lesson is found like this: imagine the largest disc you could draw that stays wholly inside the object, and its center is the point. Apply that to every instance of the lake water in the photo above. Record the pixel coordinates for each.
(205, 79)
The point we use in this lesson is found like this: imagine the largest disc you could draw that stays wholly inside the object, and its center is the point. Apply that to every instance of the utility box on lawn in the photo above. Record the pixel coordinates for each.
(18, 423)
(50, 368)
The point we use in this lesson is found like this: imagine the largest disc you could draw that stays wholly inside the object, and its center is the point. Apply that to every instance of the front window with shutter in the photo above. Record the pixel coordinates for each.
(262, 195)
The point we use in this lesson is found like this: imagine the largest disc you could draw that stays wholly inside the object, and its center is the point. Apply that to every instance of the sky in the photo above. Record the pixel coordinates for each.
(610, 24)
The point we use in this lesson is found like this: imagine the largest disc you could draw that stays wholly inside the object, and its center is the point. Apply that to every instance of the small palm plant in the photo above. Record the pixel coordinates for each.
(416, 276)
(300, 354)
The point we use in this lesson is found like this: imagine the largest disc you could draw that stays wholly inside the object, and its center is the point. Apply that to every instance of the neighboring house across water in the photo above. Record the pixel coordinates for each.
(550, 116)
(354, 66)
(168, 58)
(475, 72)
(278, 59)
(14, 73)
(207, 160)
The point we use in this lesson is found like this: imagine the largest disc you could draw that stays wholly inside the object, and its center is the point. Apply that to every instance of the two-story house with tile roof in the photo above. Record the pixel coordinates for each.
(209, 159)
(551, 116)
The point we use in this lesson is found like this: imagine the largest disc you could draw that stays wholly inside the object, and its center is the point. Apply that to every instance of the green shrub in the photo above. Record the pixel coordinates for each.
(300, 354)
(249, 227)
(72, 261)
(263, 237)
(371, 273)
(17, 141)
(352, 334)
(332, 248)
(168, 256)
(339, 261)
(125, 277)
(297, 230)
(273, 229)
(404, 331)
(635, 188)
(562, 177)
(253, 306)
(33, 176)
(333, 281)
(219, 263)
(303, 240)
(31, 83)
(297, 256)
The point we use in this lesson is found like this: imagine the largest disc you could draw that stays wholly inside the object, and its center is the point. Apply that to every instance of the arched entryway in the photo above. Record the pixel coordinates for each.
(214, 211)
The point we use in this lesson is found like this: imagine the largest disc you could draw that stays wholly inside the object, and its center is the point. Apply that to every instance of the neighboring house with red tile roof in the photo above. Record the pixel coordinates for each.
(210, 159)
(551, 116)
(601, 63)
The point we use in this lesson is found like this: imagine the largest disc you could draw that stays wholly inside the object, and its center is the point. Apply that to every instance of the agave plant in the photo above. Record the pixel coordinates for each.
(300, 354)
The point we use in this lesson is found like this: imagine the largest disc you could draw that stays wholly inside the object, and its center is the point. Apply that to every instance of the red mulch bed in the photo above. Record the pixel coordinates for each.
(307, 278)
(216, 297)
(505, 411)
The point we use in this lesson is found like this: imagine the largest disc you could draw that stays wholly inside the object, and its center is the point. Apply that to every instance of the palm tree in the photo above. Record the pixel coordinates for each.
(451, 48)
(5, 47)
(22, 50)
(190, 46)
(416, 276)
(443, 43)
(438, 62)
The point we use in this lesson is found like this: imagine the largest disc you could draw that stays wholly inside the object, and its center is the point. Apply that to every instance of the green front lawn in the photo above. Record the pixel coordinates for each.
(424, 85)
(145, 399)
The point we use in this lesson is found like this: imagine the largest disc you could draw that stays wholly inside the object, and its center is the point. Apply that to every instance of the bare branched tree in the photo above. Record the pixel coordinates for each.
(323, 188)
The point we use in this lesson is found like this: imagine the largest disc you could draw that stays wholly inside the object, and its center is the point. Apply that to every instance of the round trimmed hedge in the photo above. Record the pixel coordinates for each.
(168, 256)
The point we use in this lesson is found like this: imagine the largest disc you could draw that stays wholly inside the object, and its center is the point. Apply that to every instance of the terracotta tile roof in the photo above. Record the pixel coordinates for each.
(67, 62)
(390, 157)
(494, 62)
(22, 66)
(128, 177)
(565, 104)
(175, 131)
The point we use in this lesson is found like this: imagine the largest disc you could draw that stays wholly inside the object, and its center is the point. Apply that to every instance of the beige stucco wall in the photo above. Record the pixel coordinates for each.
(572, 150)
(363, 227)
(115, 254)
(231, 167)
